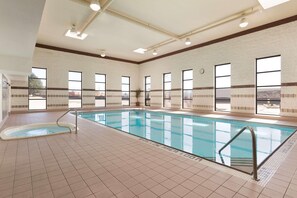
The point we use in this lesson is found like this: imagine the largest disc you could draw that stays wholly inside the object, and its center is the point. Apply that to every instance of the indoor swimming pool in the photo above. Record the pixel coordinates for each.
(200, 136)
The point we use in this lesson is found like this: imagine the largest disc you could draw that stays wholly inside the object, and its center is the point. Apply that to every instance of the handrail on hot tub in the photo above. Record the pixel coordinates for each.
(75, 110)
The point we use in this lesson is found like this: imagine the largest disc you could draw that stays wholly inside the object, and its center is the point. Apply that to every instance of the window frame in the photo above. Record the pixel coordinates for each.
(100, 90)
(126, 91)
(164, 90)
(81, 90)
(215, 87)
(187, 89)
(267, 86)
(145, 90)
(38, 89)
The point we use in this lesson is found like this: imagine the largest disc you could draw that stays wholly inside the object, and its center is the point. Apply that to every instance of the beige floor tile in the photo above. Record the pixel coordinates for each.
(138, 189)
(192, 195)
(98, 162)
(225, 192)
(180, 190)
(147, 194)
(158, 189)
(202, 191)
(169, 194)
(84, 192)
(169, 183)
(125, 194)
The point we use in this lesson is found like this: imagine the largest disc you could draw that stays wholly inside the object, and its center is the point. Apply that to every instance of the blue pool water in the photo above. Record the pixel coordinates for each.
(38, 131)
(198, 135)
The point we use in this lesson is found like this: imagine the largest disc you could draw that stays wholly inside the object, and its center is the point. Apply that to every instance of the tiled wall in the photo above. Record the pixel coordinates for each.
(4, 98)
(241, 52)
(58, 64)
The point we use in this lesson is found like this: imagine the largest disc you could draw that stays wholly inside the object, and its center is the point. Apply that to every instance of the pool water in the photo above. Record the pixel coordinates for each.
(198, 135)
(40, 131)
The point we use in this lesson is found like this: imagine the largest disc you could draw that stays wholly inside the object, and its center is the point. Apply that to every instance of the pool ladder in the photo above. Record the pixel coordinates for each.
(254, 147)
(57, 121)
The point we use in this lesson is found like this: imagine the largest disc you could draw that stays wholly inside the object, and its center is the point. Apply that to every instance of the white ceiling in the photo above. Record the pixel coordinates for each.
(19, 22)
(120, 37)
(19, 26)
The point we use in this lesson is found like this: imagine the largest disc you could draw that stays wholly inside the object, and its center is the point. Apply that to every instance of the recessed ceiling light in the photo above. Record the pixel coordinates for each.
(94, 5)
(76, 35)
(243, 23)
(188, 41)
(155, 53)
(271, 3)
(140, 50)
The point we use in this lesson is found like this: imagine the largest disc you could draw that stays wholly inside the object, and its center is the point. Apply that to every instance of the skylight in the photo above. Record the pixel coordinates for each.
(140, 50)
(75, 35)
(271, 3)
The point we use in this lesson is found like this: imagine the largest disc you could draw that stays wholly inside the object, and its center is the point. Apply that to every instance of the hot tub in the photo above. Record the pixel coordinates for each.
(36, 130)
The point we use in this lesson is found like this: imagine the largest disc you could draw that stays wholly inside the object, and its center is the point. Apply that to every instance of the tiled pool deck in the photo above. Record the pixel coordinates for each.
(101, 162)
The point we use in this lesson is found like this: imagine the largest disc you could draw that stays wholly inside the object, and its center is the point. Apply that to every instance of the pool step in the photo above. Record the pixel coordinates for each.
(242, 162)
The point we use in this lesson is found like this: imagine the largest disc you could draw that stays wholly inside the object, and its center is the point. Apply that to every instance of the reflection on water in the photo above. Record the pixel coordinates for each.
(197, 135)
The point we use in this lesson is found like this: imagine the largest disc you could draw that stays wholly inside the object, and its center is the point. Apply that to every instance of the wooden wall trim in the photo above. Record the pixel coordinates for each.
(242, 86)
(39, 45)
(289, 84)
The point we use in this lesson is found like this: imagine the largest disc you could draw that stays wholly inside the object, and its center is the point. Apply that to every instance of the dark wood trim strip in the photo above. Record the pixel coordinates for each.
(242, 33)
(242, 86)
(88, 89)
(56, 88)
(289, 84)
(176, 89)
(82, 53)
(153, 90)
(114, 90)
(202, 88)
(18, 87)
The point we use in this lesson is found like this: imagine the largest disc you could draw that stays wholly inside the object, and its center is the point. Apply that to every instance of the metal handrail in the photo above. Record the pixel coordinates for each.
(57, 121)
(254, 147)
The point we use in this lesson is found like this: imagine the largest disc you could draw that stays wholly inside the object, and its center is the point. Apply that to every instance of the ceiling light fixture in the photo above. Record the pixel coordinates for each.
(155, 53)
(73, 33)
(102, 53)
(95, 6)
(188, 41)
(271, 3)
(243, 23)
(140, 50)
(73, 30)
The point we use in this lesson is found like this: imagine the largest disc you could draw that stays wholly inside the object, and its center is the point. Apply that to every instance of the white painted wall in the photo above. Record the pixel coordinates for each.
(241, 52)
(58, 65)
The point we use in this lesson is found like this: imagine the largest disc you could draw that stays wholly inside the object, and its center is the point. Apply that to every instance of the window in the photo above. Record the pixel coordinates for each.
(125, 90)
(223, 87)
(147, 89)
(268, 85)
(100, 90)
(37, 89)
(167, 90)
(187, 89)
(74, 89)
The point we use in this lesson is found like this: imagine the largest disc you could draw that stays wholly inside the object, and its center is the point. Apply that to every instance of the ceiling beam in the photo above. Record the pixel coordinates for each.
(123, 16)
(93, 16)
(233, 17)
(141, 23)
